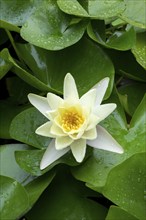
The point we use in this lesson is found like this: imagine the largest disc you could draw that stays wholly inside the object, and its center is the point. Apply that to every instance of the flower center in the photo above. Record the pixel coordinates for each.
(71, 120)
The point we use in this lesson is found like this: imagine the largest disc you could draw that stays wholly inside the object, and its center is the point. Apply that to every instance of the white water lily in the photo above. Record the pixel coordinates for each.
(73, 121)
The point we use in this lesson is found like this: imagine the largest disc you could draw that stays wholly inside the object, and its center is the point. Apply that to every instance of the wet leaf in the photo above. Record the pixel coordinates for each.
(53, 30)
(118, 39)
(16, 12)
(139, 50)
(116, 212)
(94, 171)
(126, 185)
(9, 167)
(134, 13)
(59, 201)
(12, 205)
(24, 125)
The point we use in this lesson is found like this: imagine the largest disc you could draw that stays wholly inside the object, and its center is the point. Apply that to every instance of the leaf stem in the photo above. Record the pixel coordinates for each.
(14, 46)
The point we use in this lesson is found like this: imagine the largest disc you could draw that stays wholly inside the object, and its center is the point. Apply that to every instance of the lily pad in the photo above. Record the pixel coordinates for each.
(125, 185)
(24, 125)
(105, 9)
(139, 50)
(85, 61)
(11, 199)
(53, 29)
(118, 39)
(9, 167)
(8, 111)
(134, 13)
(94, 171)
(132, 94)
(72, 7)
(58, 202)
(116, 212)
(16, 12)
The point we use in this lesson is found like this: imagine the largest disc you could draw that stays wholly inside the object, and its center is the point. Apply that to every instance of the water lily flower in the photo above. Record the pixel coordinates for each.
(74, 122)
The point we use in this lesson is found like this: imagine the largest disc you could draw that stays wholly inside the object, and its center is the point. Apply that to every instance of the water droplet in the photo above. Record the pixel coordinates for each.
(139, 179)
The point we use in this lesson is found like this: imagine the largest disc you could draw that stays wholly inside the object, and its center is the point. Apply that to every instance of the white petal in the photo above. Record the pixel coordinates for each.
(44, 130)
(57, 130)
(78, 149)
(51, 114)
(62, 142)
(91, 134)
(102, 111)
(70, 89)
(93, 121)
(39, 102)
(101, 88)
(54, 100)
(88, 99)
(51, 155)
(105, 141)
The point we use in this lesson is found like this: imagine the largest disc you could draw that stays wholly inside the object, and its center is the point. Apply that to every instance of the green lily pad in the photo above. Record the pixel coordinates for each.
(12, 205)
(8, 111)
(94, 171)
(8, 26)
(85, 61)
(125, 185)
(9, 167)
(92, 8)
(16, 12)
(68, 200)
(24, 125)
(118, 213)
(72, 7)
(139, 50)
(125, 65)
(4, 37)
(105, 9)
(26, 75)
(18, 90)
(53, 29)
(37, 186)
(132, 94)
(134, 13)
(118, 39)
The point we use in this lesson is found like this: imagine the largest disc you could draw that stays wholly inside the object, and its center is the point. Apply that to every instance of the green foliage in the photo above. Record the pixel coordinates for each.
(40, 42)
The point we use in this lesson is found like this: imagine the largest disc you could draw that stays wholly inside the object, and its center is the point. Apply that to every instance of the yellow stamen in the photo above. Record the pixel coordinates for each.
(71, 120)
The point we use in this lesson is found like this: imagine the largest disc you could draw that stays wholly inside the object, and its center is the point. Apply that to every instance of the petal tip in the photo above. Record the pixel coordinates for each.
(42, 165)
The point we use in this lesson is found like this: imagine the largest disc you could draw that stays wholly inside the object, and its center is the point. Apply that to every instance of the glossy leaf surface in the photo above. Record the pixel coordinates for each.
(126, 185)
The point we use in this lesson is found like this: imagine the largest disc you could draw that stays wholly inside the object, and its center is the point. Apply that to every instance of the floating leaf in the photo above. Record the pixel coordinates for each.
(53, 30)
(37, 186)
(125, 65)
(135, 13)
(85, 61)
(58, 202)
(8, 111)
(24, 125)
(125, 185)
(25, 75)
(9, 167)
(95, 169)
(139, 50)
(119, 39)
(12, 205)
(133, 94)
(72, 7)
(118, 213)
(105, 9)
(16, 12)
